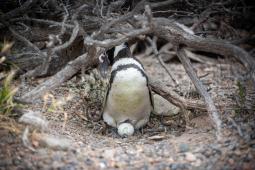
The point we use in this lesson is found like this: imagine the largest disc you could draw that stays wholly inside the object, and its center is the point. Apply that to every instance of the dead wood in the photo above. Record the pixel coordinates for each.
(176, 99)
(169, 30)
(26, 41)
(86, 60)
(44, 69)
(155, 50)
(201, 89)
(56, 80)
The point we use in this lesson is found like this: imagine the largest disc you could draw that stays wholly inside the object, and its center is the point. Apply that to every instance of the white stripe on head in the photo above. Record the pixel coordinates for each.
(125, 61)
(118, 48)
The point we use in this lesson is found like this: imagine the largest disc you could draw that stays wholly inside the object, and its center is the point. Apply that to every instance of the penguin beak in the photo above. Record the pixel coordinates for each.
(103, 65)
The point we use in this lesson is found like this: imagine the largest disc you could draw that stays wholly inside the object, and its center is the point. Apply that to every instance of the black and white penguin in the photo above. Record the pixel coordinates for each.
(128, 102)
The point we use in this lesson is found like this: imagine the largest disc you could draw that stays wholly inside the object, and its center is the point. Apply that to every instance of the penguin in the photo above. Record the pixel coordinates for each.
(128, 102)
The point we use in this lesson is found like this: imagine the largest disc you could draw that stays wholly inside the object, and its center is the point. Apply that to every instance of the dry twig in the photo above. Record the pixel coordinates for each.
(201, 89)
(86, 60)
(155, 50)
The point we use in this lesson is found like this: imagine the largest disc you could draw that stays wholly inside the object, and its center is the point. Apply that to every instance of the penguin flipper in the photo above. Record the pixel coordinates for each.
(105, 99)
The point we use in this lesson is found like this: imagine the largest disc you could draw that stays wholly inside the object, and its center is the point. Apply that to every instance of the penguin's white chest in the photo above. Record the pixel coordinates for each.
(128, 91)
(128, 98)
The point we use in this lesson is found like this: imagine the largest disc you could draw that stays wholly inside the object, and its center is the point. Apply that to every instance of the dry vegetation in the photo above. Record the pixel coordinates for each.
(199, 56)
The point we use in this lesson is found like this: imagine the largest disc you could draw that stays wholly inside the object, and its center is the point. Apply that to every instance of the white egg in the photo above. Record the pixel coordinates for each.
(126, 129)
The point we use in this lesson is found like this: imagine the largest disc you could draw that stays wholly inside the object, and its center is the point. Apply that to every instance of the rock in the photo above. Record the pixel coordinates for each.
(34, 118)
(163, 107)
(178, 166)
(190, 157)
(88, 161)
(52, 141)
(183, 147)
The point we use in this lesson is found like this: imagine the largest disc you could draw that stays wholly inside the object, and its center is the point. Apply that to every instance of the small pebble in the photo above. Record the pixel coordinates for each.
(88, 161)
(190, 157)
(157, 137)
(183, 147)
(102, 165)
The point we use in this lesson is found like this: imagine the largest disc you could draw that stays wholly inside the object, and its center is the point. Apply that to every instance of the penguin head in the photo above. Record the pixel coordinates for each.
(121, 51)
(113, 55)
(117, 52)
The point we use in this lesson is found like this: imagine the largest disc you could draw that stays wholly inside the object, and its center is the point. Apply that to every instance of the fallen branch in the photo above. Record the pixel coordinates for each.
(171, 31)
(176, 99)
(201, 89)
(66, 73)
(200, 58)
(86, 60)
(109, 43)
(42, 21)
(71, 39)
(26, 41)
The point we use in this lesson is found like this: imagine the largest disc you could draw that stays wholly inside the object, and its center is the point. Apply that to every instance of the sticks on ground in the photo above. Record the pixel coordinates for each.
(86, 60)
(63, 75)
(201, 89)
(174, 98)
(169, 30)
(109, 43)
(155, 50)
(26, 41)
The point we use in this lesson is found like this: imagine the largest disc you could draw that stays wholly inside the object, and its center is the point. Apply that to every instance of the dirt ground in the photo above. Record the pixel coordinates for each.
(187, 144)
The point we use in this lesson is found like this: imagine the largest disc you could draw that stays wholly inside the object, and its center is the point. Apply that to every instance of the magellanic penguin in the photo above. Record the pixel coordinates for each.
(128, 102)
